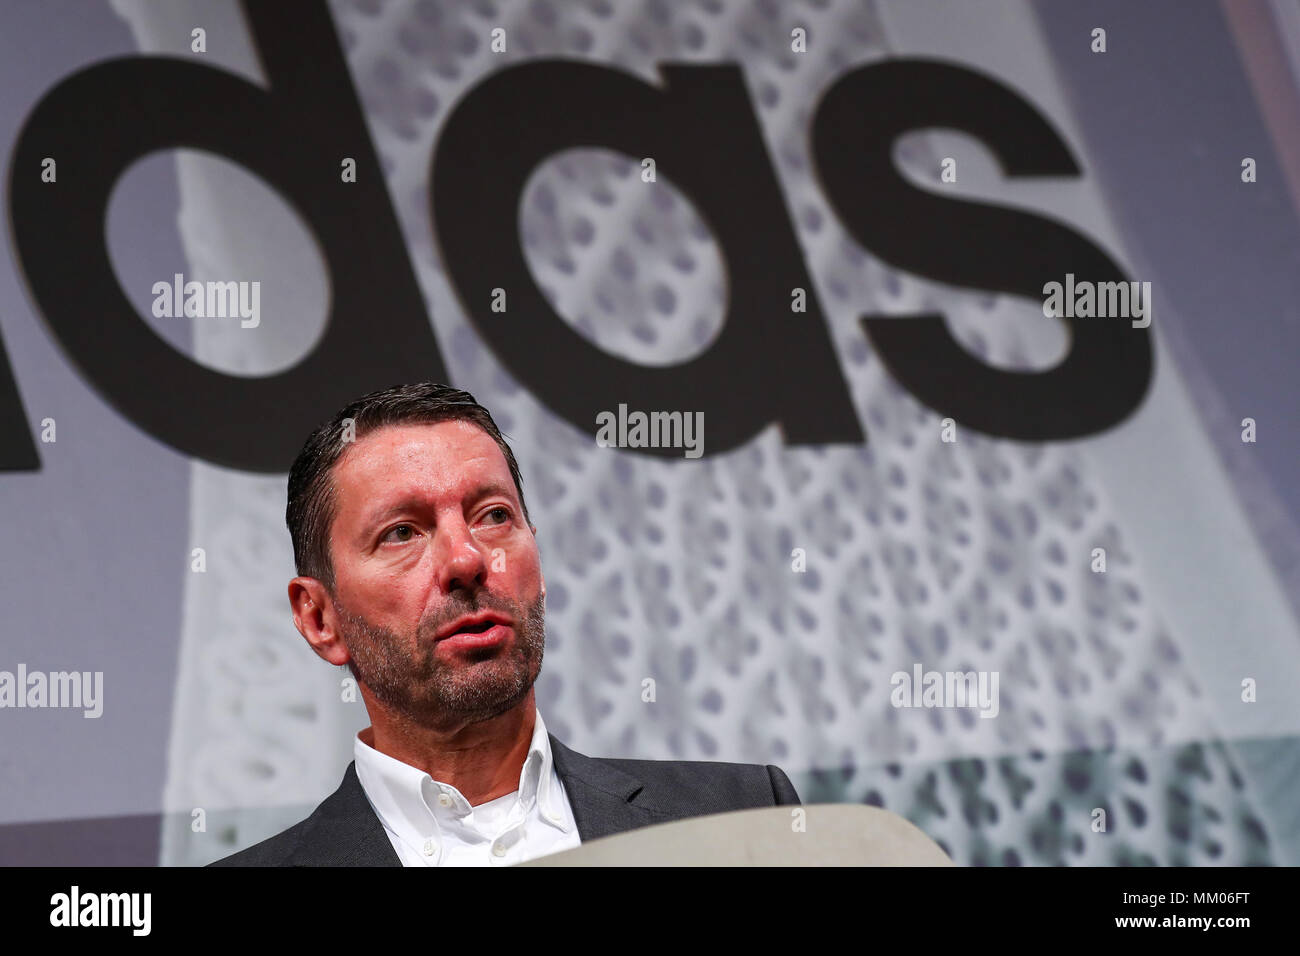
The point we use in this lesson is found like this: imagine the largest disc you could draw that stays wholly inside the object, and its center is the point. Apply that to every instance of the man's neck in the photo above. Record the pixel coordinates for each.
(482, 760)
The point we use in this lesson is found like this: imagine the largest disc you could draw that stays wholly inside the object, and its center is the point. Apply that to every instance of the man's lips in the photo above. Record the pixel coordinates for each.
(470, 640)
(475, 626)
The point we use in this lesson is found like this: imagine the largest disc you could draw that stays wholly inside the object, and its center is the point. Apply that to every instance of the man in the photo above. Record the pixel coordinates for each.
(418, 568)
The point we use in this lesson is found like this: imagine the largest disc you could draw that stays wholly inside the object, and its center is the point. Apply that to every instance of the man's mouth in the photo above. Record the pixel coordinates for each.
(491, 637)
(480, 626)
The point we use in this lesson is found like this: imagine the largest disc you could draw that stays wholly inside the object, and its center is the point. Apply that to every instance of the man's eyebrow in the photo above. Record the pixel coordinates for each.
(410, 502)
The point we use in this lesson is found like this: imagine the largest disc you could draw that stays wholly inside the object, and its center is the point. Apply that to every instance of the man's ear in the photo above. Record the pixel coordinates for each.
(316, 619)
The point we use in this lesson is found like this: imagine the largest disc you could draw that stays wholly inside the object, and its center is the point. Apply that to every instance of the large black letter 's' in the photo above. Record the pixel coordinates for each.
(1107, 371)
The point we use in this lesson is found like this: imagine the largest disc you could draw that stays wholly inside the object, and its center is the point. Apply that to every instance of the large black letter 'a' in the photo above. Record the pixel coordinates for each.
(768, 364)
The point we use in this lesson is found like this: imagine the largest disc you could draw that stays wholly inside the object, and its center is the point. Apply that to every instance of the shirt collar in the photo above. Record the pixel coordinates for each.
(404, 796)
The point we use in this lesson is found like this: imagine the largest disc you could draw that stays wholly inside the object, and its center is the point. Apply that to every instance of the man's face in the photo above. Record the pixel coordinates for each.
(428, 530)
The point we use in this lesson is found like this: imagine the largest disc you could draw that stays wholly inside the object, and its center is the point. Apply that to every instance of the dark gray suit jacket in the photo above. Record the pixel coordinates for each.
(607, 796)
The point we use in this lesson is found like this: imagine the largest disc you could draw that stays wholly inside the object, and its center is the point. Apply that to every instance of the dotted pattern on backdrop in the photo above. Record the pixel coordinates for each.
(963, 556)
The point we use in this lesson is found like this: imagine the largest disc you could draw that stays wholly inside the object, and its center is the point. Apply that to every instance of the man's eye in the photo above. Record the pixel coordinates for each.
(503, 512)
(396, 533)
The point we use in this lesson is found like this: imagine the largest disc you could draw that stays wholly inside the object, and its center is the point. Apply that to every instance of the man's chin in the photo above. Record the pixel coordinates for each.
(450, 707)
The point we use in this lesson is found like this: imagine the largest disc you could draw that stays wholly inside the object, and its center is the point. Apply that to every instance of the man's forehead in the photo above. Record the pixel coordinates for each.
(446, 456)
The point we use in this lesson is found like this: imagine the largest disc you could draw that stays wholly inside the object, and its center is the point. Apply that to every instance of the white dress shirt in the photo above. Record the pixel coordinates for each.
(432, 824)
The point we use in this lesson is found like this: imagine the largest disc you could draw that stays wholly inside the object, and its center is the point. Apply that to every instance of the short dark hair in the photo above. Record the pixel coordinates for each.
(312, 502)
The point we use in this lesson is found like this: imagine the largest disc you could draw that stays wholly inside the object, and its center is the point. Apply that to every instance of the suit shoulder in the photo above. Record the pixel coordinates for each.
(711, 786)
(342, 831)
(273, 851)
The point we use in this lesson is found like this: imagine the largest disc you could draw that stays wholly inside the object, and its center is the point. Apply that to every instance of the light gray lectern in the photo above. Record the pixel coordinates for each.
(816, 834)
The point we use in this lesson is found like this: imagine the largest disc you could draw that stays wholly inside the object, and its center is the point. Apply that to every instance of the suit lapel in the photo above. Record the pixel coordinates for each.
(345, 831)
(603, 798)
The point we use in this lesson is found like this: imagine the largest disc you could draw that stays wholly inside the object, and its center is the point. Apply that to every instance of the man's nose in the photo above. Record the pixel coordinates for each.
(460, 559)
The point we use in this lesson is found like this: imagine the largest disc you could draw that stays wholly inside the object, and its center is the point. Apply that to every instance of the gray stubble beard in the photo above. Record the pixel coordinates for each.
(411, 680)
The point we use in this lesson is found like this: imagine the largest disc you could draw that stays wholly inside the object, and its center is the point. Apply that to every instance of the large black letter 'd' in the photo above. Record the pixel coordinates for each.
(99, 121)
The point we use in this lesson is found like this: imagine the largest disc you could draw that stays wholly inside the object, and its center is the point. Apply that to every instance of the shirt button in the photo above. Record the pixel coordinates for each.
(430, 848)
(444, 800)
(498, 849)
